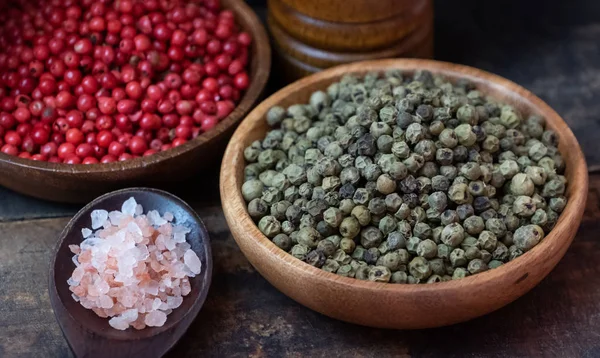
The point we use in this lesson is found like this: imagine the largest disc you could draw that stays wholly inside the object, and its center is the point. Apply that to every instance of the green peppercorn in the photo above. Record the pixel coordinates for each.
(278, 210)
(477, 266)
(419, 268)
(473, 225)
(385, 184)
(327, 247)
(521, 184)
(377, 206)
(252, 189)
(524, 206)
(459, 273)
(458, 258)
(500, 252)
(459, 194)
(315, 258)
(370, 236)
(257, 208)
(558, 204)
(350, 227)
(553, 188)
(387, 224)
(331, 266)
(494, 264)
(333, 217)
(496, 226)
(287, 227)
(526, 237)
(427, 249)
(371, 256)
(464, 134)
(269, 226)
(536, 174)
(399, 277)
(379, 274)
(300, 251)
(283, 242)
(472, 252)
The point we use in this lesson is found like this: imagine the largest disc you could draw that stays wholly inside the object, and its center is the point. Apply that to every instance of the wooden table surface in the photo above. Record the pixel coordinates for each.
(550, 47)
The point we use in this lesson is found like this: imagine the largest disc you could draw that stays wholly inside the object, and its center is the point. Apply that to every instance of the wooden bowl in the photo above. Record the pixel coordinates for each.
(92, 336)
(401, 305)
(81, 183)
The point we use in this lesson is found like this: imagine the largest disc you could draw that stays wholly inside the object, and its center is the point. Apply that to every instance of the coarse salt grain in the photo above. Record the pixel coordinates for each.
(134, 269)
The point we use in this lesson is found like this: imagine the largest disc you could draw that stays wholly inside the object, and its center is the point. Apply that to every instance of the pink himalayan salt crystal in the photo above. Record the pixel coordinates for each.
(134, 268)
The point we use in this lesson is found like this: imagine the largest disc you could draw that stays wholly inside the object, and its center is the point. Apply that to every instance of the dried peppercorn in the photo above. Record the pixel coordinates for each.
(391, 169)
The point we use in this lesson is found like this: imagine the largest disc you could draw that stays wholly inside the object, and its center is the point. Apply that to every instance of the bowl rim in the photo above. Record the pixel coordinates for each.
(260, 68)
(233, 202)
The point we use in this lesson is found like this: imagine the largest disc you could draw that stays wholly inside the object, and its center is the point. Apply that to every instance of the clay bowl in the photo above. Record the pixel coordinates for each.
(91, 336)
(82, 183)
(397, 305)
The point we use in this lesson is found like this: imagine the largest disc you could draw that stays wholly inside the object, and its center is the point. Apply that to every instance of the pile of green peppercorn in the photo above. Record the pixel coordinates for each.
(404, 179)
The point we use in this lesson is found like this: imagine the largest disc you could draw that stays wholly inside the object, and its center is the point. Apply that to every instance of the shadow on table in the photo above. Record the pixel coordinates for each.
(246, 316)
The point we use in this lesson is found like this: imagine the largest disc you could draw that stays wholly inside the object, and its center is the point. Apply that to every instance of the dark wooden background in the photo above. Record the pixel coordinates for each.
(549, 47)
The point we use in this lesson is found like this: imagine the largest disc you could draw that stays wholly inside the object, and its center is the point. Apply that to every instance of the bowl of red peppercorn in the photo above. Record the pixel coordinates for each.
(96, 96)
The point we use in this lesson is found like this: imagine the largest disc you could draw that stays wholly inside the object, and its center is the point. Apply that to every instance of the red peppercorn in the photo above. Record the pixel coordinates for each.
(84, 46)
(71, 59)
(65, 150)
(127, 106)
(137, 145)
(74, 136)
(107, 105)
(64, 100)
(72, 159)
(241, 81)
(104, 122)
(9, 149)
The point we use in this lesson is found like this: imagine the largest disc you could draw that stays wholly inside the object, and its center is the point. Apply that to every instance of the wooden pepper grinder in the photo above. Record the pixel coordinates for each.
(311, 35)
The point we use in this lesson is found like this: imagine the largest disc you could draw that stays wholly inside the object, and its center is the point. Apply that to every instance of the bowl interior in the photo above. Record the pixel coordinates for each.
(254, 128)
(150, 199)
(259, 68)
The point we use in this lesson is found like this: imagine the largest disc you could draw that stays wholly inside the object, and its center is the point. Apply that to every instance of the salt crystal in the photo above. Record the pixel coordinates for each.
(85, 232)
(174, 302)
(105, 301)
(116, 217)
(130, 315)
(155, 219)
(156, 304)
(72, 282)
(134, 268)
(134, 228)
(129, 206)
(75, 260)
(118, 323)
(155, 319)
(99, 217)
(192, 261)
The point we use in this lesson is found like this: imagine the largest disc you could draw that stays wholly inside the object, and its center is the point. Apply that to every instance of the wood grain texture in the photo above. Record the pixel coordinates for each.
(407, 306)
(307, 43)
(418, 42)
(244, 316)
(91, 336)
(81, 183)
(354, 11)
(346, 36)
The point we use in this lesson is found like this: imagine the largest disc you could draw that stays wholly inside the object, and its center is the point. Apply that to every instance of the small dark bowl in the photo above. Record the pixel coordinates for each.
(82, 327)
(82, 183)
